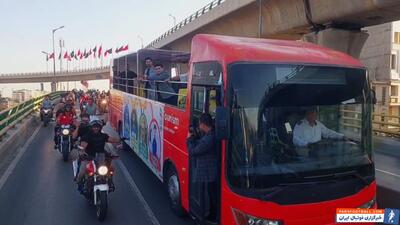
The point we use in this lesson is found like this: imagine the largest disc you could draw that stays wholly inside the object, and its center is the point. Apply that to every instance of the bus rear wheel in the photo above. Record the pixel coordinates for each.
(174, 194)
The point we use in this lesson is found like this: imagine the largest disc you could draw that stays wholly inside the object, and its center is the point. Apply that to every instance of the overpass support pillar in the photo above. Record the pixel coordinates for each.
(348, 41)
(53, 86)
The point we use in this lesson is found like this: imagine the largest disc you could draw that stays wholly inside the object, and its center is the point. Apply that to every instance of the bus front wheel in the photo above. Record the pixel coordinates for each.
(173, 189)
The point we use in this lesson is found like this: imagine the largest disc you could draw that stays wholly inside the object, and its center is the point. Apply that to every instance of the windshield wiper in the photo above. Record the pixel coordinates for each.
(353, 173)
(284, 186)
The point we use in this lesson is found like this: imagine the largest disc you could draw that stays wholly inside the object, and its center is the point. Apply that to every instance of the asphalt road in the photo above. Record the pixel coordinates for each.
(40, 191)
(387, 164)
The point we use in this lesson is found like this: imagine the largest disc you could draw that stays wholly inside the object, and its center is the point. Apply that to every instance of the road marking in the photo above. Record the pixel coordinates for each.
(15, 161)
(393, 174)
(135, 189)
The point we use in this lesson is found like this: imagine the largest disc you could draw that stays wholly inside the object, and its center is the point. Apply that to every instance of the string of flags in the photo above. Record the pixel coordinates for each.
(95, 53)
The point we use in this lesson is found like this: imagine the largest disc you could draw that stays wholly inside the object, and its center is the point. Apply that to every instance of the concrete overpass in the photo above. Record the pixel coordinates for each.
(76, 75)
(338, 21)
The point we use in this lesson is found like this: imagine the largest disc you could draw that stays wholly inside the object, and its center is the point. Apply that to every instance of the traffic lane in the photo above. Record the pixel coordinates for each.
(152, 190)
(387, 146)
(41, 191)
(387, 164)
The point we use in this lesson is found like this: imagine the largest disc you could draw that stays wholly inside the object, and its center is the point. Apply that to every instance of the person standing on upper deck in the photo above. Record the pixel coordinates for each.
(150, 69)
(159, 82)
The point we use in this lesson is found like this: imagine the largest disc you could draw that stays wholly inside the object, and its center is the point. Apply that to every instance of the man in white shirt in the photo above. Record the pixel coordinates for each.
(309, 130)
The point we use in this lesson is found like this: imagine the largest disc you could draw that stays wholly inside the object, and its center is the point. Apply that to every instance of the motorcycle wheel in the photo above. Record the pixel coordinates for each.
(45, 122)
(65, 152)
(102, 205)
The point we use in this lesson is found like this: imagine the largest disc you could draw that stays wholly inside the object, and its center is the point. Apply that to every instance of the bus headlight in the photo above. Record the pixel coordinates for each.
(102, 170)
(243, 219)
(65, 131)
(368, 205)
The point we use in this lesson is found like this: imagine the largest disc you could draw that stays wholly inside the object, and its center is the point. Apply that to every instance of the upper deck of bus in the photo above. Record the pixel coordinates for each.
(228, 49)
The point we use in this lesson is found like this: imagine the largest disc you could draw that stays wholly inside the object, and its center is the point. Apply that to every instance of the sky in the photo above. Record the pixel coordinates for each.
(26, 29)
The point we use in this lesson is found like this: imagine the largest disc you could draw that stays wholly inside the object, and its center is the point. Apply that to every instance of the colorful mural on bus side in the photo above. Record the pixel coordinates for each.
(143, 127)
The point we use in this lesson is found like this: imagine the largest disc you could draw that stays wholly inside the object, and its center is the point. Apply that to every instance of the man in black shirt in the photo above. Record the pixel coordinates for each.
(94, 142)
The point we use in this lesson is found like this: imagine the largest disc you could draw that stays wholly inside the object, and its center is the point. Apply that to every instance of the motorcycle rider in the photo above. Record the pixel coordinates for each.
(65, 116)
(46, 104)
(83, 128)
(91, 108)
(91, 143)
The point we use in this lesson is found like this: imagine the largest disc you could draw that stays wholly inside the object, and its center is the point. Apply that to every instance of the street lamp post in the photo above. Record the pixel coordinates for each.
(141, 39)
(47, 58)
(53, 84)
(174, 18)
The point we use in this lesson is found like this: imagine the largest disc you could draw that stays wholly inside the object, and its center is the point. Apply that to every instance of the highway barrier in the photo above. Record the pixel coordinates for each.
(10, 117)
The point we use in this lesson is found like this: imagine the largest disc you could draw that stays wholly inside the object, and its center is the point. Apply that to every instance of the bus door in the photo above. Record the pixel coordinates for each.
(204, 99)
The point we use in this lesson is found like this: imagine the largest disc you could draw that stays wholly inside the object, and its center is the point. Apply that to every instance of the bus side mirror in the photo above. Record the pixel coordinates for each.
(222, 123)
(373, 95)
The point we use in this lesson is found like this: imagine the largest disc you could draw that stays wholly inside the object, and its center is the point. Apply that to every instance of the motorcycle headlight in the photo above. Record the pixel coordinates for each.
(102, 170)
(104, 102)
(244, 219)
(65, 131)
(46, 110)
(368, 204)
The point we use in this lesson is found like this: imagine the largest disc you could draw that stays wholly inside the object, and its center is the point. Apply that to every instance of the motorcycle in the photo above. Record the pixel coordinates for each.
(83, 107)
(103, 105)
(65, 143)
(46, 115)
(98, 182)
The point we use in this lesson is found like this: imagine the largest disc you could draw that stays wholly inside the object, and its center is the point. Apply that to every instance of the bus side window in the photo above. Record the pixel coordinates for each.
(198, 104)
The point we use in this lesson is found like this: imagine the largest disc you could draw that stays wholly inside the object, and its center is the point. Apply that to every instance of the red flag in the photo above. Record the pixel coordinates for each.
(66, 56)
(79, 53)
(100, 49)
(118, 49)
(51, 56)
(109, 51)
(125, 48)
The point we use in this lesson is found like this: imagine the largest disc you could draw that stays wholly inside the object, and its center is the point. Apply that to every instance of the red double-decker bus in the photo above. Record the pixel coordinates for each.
(276, 165)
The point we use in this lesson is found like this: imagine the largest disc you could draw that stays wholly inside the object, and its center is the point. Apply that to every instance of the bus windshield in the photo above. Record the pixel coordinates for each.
(294, 125)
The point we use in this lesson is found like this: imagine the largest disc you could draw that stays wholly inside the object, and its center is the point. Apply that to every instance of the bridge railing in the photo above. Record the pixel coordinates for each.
(382, 124)
(188, 19)
(57, 72)
(10, 117)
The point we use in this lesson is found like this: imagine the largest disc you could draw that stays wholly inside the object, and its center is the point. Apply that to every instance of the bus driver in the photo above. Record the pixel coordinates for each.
(309, 130)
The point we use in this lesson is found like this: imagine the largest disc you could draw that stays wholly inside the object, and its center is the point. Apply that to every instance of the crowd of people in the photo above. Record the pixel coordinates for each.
(86, 128)
(155, 83)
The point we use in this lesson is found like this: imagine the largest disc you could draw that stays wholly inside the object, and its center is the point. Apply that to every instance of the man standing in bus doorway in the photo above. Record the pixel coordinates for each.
(205, 174)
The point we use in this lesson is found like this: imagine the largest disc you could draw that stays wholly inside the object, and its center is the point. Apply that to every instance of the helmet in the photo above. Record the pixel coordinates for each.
(68, 107)
(96, 123)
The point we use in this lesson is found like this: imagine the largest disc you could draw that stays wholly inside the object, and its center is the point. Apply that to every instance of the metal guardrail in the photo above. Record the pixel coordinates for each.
(382, 123)
(10, 117)
(188, 19)
(94, 69)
